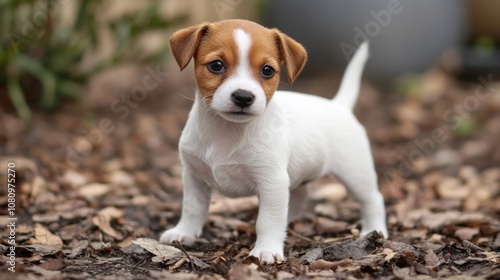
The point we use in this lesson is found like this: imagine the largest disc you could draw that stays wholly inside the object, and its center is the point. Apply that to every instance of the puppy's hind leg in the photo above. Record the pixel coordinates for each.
(354, 167)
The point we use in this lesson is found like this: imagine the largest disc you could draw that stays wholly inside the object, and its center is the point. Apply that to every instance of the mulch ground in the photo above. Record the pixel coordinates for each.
(95, 188)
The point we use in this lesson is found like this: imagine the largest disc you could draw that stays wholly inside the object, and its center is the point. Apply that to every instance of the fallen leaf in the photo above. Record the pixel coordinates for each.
(162, 252)
(46, 218)
(245, 272)
(43, 249)
(389, 254)
(163, 274)
(327, 209)
(322, 264)
(93, 190)
(333, 192)
(436, 221)
(103, 221)
(226, 205)
(431, 259)
(120, 178)
(53, 264)
(100, 245)
(325, 225)
(466, 233)
(74, 178)
(283, 275)
(47, 274)
(77, 246)
(313, 255)
(452, 188)
(343, 250)
(45, 237)
(37, 186)
(220, 265)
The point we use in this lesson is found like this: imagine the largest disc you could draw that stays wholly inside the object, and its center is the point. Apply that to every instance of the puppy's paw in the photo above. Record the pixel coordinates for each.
(268, 256)
(177, 234)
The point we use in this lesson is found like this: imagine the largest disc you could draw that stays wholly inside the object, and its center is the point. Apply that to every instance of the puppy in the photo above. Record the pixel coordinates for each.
(245, 138)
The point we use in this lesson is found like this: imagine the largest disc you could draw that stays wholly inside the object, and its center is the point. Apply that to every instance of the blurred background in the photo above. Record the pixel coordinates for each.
(56, 50)
(92, 106)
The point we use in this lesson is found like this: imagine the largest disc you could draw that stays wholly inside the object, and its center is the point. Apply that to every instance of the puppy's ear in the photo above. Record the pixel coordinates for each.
(184, 42)
(292, 54)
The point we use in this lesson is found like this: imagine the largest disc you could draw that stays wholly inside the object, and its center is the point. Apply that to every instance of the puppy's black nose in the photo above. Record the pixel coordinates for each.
(242, 98)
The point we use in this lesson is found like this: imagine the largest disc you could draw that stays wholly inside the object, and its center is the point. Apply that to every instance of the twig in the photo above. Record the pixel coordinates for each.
(468, 244)
(299, 236)
(191, 262)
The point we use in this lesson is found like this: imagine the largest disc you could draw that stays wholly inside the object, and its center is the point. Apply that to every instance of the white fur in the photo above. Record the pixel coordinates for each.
(296, 139)
(242, 79)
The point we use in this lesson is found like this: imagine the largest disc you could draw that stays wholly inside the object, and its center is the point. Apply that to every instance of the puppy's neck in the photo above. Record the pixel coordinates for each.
(211, 126)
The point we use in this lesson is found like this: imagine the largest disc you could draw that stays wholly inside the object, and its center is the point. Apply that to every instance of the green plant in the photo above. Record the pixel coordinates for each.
(41, 54)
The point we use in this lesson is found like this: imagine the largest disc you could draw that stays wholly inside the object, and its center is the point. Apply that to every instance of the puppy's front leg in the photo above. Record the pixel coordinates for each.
(195, 201)
(272, 221)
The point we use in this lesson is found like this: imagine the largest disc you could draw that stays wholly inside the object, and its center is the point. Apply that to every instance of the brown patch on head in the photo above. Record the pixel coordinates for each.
(217, 44)
(264, 51)
(216, 41)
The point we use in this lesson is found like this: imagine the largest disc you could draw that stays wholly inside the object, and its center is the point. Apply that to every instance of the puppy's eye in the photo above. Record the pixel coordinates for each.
(216, 67)
(267, 72)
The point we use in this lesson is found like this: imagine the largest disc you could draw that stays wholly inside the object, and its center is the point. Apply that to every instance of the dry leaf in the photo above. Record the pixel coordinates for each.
(46, 218)
(38, 186)
(53, 264)
(313, 255)
(74, 179)
(452, 188)
(431, 259)
(77, 246)
(322, 264)
(333, 192)
(389, 254)
(120, 178)
(162, 252)
(226, 205)
(103, 221)
(466, 233)
(47, 274)
(327, 209)
(45, 237)
(245, 272)
(325, 225)
(93, 190)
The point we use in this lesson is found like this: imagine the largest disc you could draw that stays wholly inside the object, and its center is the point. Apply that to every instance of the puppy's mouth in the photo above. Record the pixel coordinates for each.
(239, 113)
(237, 116)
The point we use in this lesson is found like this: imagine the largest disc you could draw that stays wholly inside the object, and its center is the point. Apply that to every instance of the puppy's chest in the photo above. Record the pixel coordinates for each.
(221, 170)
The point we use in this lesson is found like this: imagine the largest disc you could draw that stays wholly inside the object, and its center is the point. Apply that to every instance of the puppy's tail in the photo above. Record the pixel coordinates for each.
(349, 87)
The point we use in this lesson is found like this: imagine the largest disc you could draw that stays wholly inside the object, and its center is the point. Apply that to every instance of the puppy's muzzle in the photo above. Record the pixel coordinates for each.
(242, 98)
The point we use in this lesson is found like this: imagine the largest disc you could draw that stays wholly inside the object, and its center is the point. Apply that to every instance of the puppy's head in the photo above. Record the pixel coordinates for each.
(237, 64)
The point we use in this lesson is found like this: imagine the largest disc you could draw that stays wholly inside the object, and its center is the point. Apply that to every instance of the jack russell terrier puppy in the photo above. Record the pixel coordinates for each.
(245, 138)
